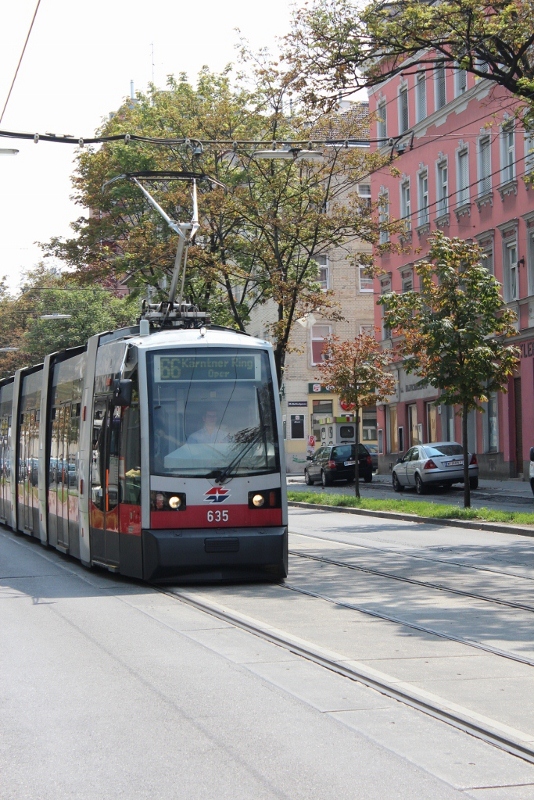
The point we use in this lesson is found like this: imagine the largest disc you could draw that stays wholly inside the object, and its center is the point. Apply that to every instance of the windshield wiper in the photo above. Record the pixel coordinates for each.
(221, 475)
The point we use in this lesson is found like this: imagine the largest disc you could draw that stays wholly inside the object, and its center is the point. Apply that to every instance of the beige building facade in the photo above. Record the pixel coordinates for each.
(305, 404)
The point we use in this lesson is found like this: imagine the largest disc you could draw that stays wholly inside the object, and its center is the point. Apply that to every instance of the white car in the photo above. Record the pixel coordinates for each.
(434, 464)
(531, 469)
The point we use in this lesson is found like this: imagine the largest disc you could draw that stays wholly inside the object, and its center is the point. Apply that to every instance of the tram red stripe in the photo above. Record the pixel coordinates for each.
(216, 515)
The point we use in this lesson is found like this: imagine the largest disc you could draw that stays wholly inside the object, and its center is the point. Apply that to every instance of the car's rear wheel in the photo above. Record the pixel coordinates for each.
(368, 477)
(532, 485)
(473, 483)
(397, 485)
(308, 481)
(325, 480)
(419, 485)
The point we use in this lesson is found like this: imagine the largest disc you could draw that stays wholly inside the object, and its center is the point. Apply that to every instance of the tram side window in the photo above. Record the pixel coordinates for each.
(97, 464)
(130, 454)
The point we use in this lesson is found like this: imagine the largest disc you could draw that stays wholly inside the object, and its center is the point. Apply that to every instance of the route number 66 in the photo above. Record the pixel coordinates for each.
(217, 516)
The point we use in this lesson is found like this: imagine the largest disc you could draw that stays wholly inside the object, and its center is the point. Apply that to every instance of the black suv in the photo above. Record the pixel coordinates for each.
(337, 462)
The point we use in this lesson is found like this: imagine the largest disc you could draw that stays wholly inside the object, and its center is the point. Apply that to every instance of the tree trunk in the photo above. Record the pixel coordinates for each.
(467, 488)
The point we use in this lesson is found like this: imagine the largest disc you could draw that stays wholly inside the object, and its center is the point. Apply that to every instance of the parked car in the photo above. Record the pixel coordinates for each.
(531, 469)
(373, 449)
(435, 464)
(338, 463)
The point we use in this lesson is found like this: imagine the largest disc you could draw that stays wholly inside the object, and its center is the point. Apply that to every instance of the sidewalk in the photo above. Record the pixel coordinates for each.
(511, 488)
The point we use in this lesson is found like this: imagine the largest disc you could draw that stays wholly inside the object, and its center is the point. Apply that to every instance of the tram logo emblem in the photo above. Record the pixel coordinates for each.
(218, 494)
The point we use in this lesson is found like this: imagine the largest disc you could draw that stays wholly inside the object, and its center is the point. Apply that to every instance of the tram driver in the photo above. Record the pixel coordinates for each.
(211, 431)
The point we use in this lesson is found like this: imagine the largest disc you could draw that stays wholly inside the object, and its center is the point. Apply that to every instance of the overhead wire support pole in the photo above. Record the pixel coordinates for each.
(169, 311)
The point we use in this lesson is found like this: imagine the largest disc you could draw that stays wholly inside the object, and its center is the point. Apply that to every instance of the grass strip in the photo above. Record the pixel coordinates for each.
(418, 508)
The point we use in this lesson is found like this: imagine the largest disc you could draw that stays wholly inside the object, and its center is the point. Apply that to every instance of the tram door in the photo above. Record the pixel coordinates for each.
(5, 467)
(63, 476)
(105, 482)
(27, 470)
(62, 480)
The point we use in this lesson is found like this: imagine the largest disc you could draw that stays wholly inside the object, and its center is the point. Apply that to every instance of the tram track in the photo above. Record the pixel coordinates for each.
(415, 582)
(491, 731)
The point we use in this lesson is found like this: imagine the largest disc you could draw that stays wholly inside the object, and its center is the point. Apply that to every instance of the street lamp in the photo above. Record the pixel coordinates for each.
(8, 151)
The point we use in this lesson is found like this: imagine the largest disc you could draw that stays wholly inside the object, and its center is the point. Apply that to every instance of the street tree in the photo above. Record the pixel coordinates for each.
(261, 231)
(452, 332)
(26, 338)
(358, 371)
(338, 46)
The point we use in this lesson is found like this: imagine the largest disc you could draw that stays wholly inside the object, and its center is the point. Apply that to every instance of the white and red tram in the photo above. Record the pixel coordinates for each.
(158, 455)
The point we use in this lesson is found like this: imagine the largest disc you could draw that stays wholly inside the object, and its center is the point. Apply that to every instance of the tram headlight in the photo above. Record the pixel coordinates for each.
(270, 498)
(167, 501)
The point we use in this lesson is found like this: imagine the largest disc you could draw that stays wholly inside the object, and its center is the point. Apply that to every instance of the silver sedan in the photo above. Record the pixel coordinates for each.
(436, 464)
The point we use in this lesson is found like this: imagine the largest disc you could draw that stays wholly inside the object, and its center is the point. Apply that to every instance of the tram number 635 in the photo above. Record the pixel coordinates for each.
(217, 516)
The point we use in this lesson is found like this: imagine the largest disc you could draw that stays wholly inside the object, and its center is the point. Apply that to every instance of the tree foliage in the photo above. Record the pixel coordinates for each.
(261, 234)
(336, 45)
(358, 371)
(91, 311)
(452, 331)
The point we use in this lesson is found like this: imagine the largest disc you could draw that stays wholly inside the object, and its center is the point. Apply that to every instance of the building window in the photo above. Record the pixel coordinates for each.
(407, 280)
(442, 207)
(510, 268)
(414, 428)
(383, 216)
(507, 152)
(369, 423)
(382, 128)
(319, 335)
(323, 272)
(447, 423)
(368, 329)
(460, 81)
(486, 256)
(491, 430)
(462, 177)
(406, 207)
(385, 288)
(420, 96)
(529, 151)
(404, 121)
(484, 165)
(530, 240)
(297, 426)
(321, 410)
(422, 217)
(439, 83)
(366, 281)
(431, 422)
(364, 191)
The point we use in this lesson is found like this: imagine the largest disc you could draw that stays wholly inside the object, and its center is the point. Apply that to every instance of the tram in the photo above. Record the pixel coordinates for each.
(155, 453)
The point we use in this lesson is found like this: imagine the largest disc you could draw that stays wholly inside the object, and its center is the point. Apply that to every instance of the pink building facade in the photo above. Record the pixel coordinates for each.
(461, 158)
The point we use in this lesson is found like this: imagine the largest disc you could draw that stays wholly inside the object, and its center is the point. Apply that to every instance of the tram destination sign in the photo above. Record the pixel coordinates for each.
(210, 367)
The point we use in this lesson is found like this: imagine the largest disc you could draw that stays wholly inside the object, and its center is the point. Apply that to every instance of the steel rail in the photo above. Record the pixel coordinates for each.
(414, 581)
(455, 718)
(447, 561)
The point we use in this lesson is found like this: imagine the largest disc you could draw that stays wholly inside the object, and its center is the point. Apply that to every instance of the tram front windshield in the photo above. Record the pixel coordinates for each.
(212, 413)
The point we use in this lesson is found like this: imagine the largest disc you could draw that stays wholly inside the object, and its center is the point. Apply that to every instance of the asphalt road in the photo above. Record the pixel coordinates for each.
(109, 688)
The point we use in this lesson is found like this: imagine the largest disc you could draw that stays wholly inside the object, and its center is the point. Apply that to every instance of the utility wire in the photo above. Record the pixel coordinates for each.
(20, 60)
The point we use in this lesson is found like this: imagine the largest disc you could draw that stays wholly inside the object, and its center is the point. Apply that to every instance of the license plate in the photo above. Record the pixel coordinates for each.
(456, 463)
(349, 463)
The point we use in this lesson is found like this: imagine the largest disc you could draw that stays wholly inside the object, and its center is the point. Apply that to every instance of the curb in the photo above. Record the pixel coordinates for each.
(477, 525)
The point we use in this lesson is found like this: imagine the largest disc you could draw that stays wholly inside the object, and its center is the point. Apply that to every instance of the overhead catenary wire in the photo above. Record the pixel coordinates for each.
(20, 60)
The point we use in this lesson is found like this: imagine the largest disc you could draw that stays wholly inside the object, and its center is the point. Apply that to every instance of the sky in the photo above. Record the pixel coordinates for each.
(77, 68)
